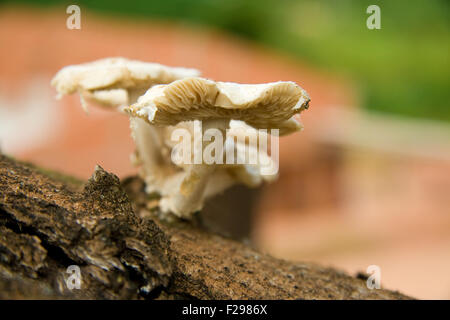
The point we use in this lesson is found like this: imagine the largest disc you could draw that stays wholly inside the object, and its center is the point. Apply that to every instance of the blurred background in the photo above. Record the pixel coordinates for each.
(368, 180)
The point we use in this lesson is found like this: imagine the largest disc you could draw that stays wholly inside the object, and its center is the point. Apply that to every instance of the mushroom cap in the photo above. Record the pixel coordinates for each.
(267, 106)
(115, 73)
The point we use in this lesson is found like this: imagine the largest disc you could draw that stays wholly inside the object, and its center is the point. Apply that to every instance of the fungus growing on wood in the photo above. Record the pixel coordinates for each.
(215, 104)
(117, 82)
(162, 100)
(113, 82)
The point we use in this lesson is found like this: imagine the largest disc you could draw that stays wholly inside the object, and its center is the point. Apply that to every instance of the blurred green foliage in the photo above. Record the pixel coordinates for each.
(402, 68)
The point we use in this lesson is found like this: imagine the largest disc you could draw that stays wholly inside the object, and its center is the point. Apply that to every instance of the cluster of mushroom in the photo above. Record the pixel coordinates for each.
(161, 100)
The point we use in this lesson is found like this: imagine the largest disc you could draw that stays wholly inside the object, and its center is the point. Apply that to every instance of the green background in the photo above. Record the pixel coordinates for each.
(401, 69)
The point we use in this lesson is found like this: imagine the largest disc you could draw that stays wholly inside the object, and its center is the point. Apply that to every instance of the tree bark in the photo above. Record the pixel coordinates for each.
(107, 228)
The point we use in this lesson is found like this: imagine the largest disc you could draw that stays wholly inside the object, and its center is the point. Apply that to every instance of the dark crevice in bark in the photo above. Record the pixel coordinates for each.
(54, 252)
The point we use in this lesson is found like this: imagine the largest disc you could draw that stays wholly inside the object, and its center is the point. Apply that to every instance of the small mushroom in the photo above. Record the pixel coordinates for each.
(117, 82)
(261, 106)
(113, 82)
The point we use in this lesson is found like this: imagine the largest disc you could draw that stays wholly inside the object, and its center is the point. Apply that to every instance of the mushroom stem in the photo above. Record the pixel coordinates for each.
(188, 196)
(149, 147)
(148, 152)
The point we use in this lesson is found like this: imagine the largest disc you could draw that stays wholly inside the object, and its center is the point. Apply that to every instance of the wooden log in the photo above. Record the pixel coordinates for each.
(49, 222)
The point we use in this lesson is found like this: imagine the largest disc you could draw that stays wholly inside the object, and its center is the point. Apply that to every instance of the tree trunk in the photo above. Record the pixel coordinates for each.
(49, 222)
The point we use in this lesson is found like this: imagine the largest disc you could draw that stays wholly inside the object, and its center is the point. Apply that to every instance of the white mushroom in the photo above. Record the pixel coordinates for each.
(113, 82)
(117, 82)
(262, 106)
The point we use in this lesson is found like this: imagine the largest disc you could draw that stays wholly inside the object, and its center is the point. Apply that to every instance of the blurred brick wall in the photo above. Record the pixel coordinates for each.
(39, 44)
(328, 205)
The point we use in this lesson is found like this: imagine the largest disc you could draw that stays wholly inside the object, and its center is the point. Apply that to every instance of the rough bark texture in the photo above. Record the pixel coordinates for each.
(49, 222)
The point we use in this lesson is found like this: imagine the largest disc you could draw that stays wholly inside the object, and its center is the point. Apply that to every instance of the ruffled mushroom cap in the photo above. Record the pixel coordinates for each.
(177, 97)
(260, 106)
(110, 81)
(268, 106)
